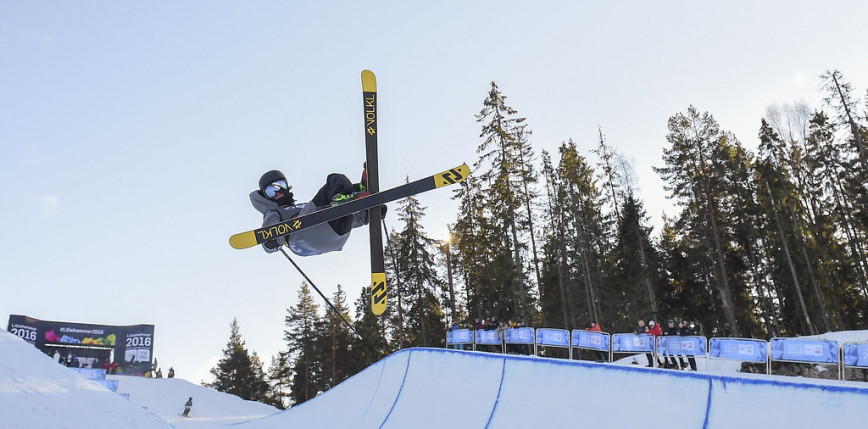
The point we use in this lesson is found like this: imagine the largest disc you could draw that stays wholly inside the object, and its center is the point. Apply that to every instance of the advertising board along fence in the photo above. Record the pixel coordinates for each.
(592, 340)
(548, 337)
(633, 343)
(488, 338)
(690, 346)
(805, 350)
(855, 356)
(743, 349)
(517, 337)
(459, 337)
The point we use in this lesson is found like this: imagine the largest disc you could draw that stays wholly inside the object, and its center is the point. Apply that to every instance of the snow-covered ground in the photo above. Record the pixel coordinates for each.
(439, 388)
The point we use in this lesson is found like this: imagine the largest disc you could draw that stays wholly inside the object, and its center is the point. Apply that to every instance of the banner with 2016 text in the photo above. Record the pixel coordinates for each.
(739, 349)
(804, 350)
(131, 344)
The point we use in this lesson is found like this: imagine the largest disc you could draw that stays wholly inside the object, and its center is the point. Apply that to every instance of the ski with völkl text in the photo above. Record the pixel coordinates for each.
(363, 202)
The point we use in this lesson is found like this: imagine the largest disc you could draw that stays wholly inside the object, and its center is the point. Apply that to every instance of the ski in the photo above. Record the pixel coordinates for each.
(251, 238)
(372, 170)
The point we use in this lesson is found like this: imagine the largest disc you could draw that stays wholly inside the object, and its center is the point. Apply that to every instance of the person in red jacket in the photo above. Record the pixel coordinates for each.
(594, 327)
(655, 330)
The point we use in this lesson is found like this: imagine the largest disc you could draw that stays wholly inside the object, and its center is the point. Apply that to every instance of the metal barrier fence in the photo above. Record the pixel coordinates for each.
(549, 337)
(800, 350)
(855, 356)
(805, 350)
(689, 346)
(742, 349)
(592, 340)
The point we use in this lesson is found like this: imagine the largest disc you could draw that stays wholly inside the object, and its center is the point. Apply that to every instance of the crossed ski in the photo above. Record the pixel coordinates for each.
(248, 239)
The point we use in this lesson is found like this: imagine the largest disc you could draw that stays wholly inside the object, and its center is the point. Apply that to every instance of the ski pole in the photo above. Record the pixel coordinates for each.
(310, 282)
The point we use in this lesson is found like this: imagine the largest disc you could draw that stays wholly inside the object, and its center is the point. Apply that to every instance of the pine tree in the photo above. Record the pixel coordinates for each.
(503, 171)
(279, 380)
(336, 342)
(415, 263)
(239, 372)
(694, 176)
(302, 336)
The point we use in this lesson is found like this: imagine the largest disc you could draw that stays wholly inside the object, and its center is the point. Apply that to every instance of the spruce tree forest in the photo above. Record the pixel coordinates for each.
(764, 243)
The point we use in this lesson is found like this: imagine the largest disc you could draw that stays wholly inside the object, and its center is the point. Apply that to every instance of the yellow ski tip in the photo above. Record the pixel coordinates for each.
(243, 240)
(378, 293)
(450, 177)
(369, 81)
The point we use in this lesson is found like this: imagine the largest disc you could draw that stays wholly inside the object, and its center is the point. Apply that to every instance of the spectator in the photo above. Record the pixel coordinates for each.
(479, 325)
(594, 327)
(640, 330)
(171, 372)
(107, 366)
(456, 346)
(655, 330)
(187, 407)
(114, 367)
(669, 359)
(686, 332)
(160, 373)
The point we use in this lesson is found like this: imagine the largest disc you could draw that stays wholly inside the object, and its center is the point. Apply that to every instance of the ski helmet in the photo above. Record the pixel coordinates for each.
(270, 177)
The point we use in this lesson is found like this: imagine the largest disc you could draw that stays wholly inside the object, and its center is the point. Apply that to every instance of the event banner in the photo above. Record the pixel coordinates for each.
(132, 343)
(519, 336)
(805, 350)
(459, 336)
(488, 337)
(739, 349)
(683, 346)
(628, 343)
(856, 354)
(553, 337)
(591, 340)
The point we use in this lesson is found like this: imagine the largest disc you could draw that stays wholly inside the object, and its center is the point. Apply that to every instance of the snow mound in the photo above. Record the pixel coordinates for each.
(165, 397)
(36, 392)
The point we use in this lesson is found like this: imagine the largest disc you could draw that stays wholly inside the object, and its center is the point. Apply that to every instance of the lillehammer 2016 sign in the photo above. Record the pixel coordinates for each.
(132, 344)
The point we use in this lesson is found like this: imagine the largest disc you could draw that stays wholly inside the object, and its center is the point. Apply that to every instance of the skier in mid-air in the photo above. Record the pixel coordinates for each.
(276, 203)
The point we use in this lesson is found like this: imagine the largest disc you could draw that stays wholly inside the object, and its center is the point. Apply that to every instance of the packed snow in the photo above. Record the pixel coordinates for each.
(439, 388)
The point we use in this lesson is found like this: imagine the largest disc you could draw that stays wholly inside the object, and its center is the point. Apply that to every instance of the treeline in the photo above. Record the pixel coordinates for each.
(763, 243)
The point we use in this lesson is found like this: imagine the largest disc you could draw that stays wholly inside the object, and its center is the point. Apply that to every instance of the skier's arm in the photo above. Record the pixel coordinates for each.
(271, 218)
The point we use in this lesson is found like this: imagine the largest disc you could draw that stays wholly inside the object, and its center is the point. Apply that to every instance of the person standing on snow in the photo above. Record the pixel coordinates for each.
(276, 203)
(669, 358)
(655, 330)
(594, 327)
(187, 407)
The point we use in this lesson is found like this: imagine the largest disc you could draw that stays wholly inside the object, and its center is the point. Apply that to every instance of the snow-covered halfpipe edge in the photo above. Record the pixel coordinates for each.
(449, 388)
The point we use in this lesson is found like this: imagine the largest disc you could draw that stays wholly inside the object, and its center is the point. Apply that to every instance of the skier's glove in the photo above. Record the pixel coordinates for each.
(271, 244)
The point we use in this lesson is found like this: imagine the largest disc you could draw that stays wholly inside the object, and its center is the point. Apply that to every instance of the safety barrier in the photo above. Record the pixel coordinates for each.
(548, 337)
(689, 346)
(592, 340)
(520, 338)
(805, 350)
(743, 349)
(488, 338)
(634, 343)
(855, 356)
(801, 350)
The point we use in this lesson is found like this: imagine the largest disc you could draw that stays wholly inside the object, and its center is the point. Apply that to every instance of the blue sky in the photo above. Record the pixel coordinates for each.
(131, 133)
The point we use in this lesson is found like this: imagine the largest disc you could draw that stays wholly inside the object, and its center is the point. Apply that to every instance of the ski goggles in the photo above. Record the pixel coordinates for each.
(275, 187)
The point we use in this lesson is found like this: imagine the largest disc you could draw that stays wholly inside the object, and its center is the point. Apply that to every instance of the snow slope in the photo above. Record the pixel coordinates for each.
(437, 388)
(165, 397)
(36, 392)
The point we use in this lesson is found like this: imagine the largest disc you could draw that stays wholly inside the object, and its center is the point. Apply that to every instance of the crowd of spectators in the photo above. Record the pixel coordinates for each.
(683, 328)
